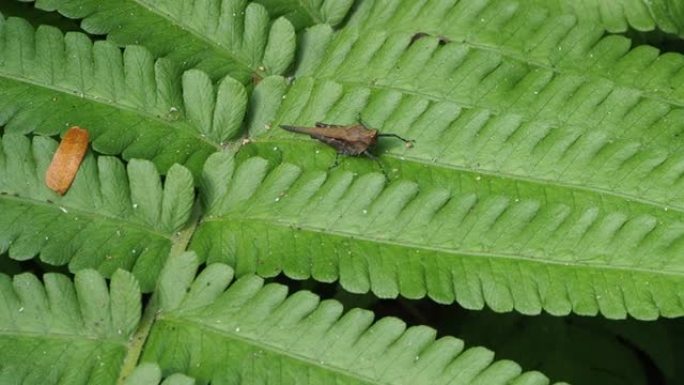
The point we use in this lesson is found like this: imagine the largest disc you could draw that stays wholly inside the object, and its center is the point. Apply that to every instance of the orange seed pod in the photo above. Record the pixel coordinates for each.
(67, 159)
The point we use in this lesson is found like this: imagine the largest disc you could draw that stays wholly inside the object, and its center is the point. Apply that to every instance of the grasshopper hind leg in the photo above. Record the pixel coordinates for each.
(336, 162)
(377, 160)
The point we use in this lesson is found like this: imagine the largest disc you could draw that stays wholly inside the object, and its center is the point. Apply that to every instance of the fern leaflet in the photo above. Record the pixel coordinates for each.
(60, 331)
(131, 104)
(305, 13)
(454, 236)
(110, 218)
(215, 330)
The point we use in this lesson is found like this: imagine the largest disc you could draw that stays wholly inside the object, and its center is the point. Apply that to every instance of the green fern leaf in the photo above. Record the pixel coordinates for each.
(150, 374)
(533, 163)
(523, 46)
(59, 332)
(216, 330)
(110, 218)
(219, 37)
(451, 235)
(618, 16)
(130, 104)
(304, 13)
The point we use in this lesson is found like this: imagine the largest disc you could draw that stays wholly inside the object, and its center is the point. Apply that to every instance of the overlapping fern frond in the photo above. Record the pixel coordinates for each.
(546, 176)
(220, 37)
(471, 238)
(112, 217)
(131, 104)
(150, 374)
(217, 330)
(533, 167)
(304, 13)
(63, 332)
(618, 16)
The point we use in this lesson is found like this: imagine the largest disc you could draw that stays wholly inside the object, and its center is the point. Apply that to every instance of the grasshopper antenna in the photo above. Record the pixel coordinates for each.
(408, 142)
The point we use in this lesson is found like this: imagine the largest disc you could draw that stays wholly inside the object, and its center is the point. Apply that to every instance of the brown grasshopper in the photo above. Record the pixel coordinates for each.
(355, 139)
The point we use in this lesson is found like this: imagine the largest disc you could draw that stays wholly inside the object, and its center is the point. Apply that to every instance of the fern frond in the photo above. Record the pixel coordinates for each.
(618, 16)
(59, 332)
(478, 109)
(305, 13)
(452, 235)
(521, 44)
(111, 217)
(131, 104)
(220, 37)
(216, 331)
(150, 374)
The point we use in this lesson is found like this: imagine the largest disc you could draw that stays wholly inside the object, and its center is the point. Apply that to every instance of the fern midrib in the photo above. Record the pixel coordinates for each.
(270, 142)
(514, 55)
(42, 335)
(197, 35)
(137, 341)
(194, 323)
(184, 127)
(438, 98)
(86, 214)
(489, 256)
(310, 10)
(571, 70)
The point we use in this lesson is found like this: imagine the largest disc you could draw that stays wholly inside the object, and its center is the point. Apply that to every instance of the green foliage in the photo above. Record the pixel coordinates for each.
(617, 16)
(63, 332)
(545, 176)
(131, 104)
(304, 13)
(218, 36)
(112, 217)
(477, 240)
(150, 374)
(267, 330)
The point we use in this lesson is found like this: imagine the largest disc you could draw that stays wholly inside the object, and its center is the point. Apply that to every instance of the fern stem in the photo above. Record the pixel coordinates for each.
(180, 242)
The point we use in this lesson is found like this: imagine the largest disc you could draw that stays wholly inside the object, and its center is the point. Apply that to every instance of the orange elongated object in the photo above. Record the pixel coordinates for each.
(67, 159)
